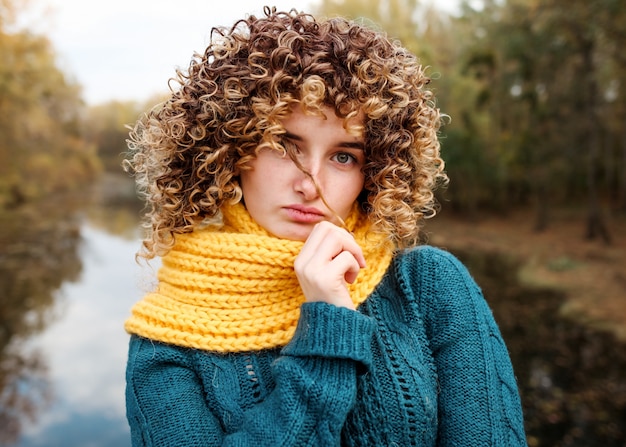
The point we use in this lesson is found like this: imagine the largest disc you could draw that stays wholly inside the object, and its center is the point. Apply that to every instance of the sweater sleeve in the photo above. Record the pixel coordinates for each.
(315, 388)
(479, 402)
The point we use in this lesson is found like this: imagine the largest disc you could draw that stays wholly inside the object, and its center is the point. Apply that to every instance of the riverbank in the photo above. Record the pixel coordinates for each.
(591, 274)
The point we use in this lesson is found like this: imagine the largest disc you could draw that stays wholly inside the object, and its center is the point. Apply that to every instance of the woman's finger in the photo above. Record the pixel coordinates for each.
(328, 240)
(329, 259)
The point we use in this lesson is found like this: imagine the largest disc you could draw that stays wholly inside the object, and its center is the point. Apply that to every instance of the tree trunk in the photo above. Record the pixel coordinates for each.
(621, 177)
(596, 223)
(542, 217)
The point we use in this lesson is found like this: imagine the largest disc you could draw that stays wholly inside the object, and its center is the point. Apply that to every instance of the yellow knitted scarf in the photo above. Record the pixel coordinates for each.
(233, 289)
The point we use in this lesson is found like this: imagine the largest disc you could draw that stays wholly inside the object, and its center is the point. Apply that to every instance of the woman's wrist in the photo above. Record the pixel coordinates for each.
(326, 330)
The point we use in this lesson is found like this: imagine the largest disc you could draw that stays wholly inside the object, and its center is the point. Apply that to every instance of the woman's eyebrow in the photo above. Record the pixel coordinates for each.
(353, 145)
(347, 144)
(292, 136)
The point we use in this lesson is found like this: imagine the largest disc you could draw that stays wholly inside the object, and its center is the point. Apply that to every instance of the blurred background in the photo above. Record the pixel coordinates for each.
(535, 146)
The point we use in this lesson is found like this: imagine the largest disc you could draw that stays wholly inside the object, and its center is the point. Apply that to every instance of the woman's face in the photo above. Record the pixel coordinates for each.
(283, 199)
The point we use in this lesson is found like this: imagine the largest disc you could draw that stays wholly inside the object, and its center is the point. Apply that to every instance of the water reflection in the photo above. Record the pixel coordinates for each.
(38, 255)
(88, 349)
(572, 378)
(67, 284)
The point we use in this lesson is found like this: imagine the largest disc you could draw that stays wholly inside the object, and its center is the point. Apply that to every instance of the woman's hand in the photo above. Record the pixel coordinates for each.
(329, 259)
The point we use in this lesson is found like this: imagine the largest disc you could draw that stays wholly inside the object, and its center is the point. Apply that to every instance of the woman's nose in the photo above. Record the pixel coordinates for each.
(307, 181)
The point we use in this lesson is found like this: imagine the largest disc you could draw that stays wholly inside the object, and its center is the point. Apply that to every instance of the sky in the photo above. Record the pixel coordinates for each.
(128, 49)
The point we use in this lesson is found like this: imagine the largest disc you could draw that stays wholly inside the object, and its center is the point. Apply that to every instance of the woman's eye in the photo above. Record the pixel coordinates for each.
(344, 158)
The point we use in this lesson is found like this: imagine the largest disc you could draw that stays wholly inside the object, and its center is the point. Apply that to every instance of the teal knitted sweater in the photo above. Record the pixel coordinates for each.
(421, 363)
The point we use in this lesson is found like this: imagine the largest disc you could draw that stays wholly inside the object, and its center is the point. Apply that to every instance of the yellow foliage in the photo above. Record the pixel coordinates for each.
(42, 147)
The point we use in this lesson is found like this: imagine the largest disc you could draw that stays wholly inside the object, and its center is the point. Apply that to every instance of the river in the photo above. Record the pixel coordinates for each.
(84, 348)
(69, 277)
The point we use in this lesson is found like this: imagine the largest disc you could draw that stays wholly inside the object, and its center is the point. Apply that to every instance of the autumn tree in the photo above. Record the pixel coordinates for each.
(554, 90)
(106, 129)
(42, 149)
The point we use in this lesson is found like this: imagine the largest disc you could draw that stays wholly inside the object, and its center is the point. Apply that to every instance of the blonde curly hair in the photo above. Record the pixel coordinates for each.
(187, 153)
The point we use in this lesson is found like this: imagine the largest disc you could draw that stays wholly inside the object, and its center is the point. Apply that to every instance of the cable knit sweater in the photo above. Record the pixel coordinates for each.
(421, 363)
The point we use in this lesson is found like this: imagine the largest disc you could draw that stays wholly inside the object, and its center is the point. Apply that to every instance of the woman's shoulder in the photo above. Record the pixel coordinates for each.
(427, 262)
(146, 351)
(146, 355)
(436, 283)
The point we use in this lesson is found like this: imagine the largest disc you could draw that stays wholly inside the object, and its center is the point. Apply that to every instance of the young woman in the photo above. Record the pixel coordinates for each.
(287, 179)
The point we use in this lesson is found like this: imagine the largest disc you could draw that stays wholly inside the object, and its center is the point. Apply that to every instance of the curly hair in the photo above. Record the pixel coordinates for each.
(187, 153)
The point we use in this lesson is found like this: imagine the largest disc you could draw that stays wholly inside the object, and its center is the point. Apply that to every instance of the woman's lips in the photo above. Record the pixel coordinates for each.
(304, 214)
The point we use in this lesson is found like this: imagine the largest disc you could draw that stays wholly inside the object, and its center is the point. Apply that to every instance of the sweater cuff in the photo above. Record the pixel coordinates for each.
(329, 331)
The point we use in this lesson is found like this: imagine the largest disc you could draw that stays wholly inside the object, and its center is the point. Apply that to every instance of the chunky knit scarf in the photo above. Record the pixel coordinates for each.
(233, 289)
